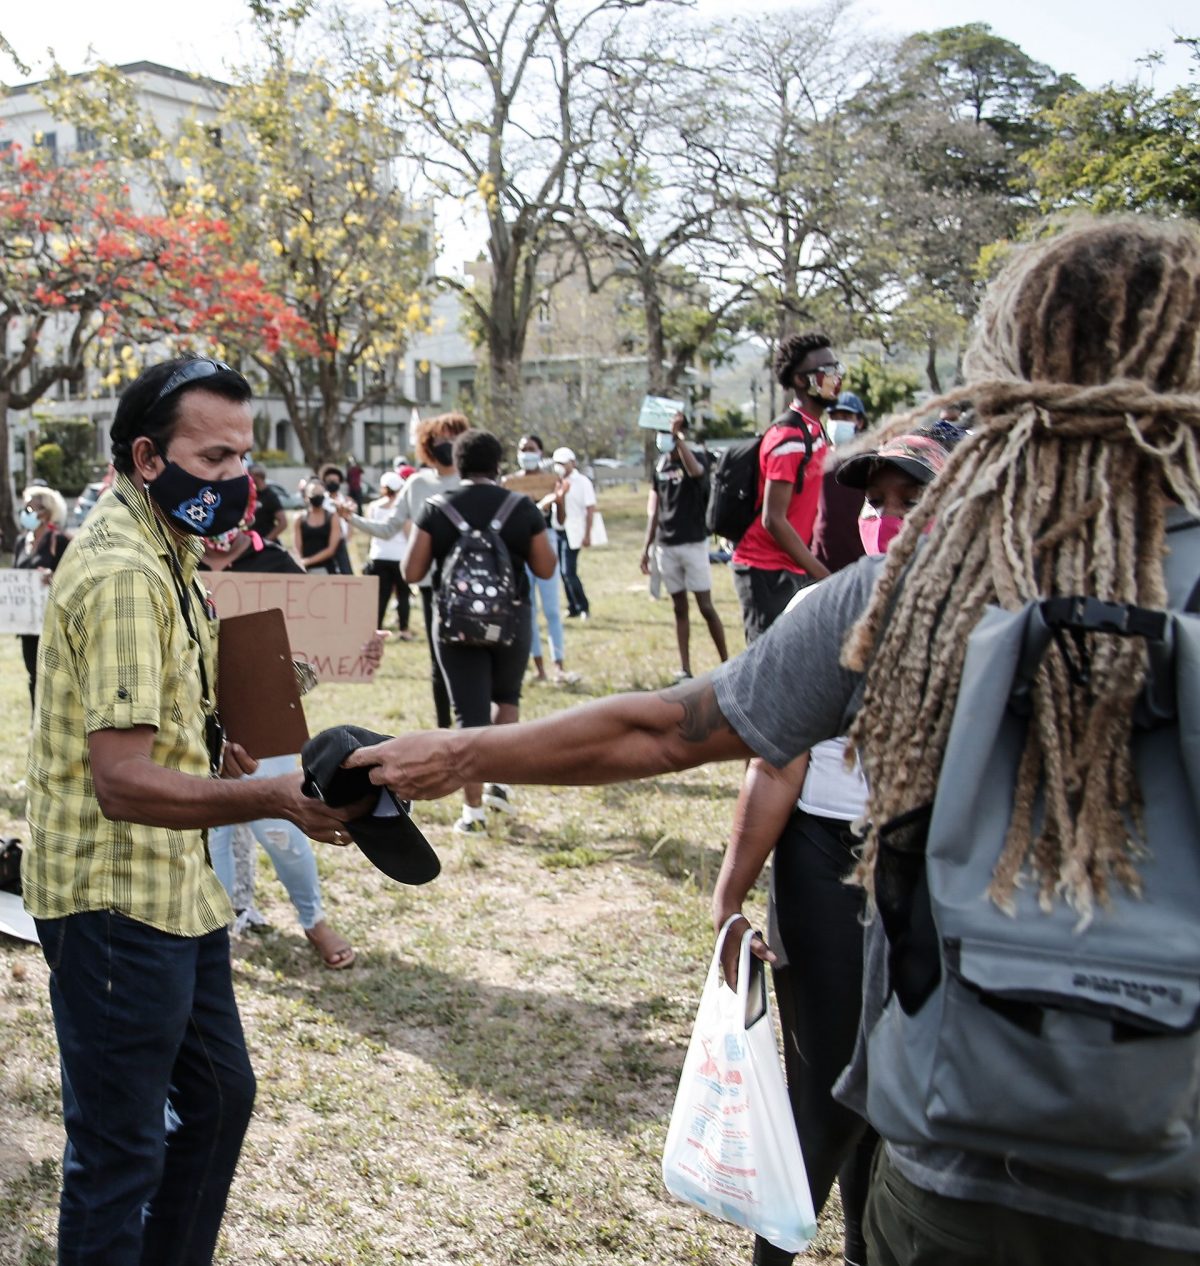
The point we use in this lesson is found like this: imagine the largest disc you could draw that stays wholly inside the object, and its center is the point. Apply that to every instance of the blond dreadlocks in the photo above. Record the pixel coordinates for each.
(1085, 376)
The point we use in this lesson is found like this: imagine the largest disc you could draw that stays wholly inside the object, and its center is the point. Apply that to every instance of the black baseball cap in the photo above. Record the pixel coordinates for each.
(389, 838)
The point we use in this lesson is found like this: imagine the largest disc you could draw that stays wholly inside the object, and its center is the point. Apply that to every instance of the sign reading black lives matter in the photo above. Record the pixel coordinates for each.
(23, 597)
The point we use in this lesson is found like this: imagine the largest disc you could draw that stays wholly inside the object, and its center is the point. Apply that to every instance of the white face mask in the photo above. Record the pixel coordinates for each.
(841, 433)
(559, 469)
(665, 441)
(529, 460)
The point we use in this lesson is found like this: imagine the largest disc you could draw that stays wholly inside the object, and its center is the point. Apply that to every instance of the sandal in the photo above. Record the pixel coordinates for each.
(336, 952)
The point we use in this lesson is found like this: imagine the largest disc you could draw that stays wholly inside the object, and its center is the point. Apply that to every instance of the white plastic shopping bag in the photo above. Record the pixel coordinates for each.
(599, 531)
(731, 1146)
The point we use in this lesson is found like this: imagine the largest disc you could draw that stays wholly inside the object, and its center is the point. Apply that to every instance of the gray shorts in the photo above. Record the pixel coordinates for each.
(684, 567)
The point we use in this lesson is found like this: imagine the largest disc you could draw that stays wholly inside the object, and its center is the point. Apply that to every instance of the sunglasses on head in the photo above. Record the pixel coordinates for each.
(190, 371)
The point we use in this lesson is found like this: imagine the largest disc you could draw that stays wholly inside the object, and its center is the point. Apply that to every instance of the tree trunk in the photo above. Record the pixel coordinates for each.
(8, 527)
(656, 340)
(931, 372)
(505, 389)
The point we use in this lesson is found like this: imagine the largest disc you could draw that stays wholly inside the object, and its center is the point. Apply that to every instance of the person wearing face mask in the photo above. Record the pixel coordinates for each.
(338, 501)
(122, 785)
(536, 481)
(435, 449)
(316, 532)
(40, 546)
(800, 814)
(774, 558)
(573, 517)
(676, 532)
(835, 539)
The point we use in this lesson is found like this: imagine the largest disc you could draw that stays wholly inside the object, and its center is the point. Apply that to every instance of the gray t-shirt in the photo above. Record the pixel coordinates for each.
(803, 647)
(412, 501)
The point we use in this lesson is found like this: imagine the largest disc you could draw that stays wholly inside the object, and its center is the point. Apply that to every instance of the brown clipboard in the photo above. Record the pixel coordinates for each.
(258, 695)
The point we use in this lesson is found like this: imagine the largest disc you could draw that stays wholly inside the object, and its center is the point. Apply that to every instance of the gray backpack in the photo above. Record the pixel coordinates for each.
(1027, 1038)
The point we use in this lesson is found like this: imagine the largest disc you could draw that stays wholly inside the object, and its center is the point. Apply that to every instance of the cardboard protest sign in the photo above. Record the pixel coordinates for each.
(23, 595)
(329, 618)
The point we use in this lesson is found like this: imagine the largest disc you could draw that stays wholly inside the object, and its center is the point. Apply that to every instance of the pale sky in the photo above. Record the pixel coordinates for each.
(1096, 40)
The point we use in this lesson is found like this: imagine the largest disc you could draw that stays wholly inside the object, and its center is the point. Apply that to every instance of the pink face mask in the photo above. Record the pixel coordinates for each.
(877, 532)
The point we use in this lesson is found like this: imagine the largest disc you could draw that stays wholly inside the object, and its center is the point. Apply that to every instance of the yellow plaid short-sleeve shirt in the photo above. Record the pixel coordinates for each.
(115, 653)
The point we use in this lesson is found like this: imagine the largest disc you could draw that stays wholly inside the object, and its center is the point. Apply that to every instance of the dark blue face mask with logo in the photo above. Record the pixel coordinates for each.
(204, 507)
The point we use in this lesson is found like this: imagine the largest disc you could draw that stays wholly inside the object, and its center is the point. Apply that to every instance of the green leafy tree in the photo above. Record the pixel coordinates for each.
(48, 462)
(938, 135)
(1123, 148)
(76, 439)
(883, 388)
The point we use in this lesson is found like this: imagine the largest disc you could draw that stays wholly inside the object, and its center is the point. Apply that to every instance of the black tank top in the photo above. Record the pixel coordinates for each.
(314, 539)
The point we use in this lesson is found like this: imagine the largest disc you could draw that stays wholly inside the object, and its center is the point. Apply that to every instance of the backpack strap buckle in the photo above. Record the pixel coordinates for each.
(1091, 615)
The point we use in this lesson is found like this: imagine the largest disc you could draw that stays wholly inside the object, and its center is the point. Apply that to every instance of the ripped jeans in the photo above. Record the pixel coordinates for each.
(285, 844)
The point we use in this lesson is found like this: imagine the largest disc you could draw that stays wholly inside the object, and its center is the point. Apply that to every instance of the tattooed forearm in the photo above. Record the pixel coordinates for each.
(701, 716)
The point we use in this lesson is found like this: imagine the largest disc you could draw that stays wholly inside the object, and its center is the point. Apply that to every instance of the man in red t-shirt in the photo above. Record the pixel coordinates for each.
(773, 560)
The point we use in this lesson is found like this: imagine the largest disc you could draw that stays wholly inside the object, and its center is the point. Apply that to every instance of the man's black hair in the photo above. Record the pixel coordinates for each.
(137, 413)
(792, 350)
(478, 453)
(537, 439)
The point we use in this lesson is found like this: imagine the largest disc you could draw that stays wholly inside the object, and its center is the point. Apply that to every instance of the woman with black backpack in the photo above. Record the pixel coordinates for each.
(478, 539)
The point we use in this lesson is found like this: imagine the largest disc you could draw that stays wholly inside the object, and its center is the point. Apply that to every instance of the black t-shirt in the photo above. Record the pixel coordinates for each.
(682, 500)
(47, 552)
(265, 511)
(477, 503)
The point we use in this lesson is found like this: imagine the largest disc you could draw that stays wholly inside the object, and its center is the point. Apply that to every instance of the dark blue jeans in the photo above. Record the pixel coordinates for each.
(568, 559)
(156, 1084)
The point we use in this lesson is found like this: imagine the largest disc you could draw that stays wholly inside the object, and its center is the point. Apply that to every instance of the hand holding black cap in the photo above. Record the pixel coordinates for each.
(388, 837)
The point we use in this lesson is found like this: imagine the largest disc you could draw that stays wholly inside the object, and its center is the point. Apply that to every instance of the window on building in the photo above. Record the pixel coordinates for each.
(214, 137)
(421, 383)
(86, 140)
(351, 386)
(542, 309)
(49, 142)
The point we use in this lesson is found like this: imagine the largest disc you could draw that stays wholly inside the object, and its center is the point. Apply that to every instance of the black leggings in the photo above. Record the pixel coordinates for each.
(441, 699)
(478, 676)
(819, 994)
(391, 581)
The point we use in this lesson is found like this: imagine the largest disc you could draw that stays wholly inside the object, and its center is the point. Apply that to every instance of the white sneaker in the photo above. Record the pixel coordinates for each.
(498, 795)
(470, 826)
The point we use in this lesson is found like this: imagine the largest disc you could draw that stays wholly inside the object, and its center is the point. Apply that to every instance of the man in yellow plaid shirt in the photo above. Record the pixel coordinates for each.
(123, 780)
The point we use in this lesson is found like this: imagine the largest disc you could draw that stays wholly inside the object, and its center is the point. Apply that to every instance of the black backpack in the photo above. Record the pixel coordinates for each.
(734, 497)
(477, 599)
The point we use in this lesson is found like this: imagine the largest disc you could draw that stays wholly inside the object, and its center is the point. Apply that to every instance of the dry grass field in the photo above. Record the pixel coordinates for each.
(491, 1081)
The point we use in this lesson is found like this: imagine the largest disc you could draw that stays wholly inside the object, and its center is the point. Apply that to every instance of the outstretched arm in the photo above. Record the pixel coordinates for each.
(611, 740)
(764, 804)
